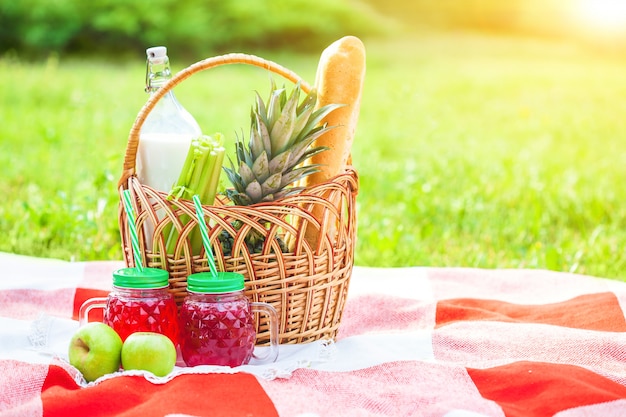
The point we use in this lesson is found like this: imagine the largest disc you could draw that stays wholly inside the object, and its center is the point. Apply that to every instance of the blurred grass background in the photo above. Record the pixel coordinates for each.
(488, 137)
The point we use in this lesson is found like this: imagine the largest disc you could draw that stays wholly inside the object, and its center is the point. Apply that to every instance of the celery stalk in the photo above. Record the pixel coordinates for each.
(199, 175)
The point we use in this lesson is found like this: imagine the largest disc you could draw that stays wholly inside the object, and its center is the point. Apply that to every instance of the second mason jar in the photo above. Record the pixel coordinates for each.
(217, 325)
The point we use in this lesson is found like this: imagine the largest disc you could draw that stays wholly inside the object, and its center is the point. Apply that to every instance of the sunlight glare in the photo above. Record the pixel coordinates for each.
(603, 14)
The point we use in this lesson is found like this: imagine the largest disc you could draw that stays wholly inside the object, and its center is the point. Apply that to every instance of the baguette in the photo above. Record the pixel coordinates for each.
(339, 80)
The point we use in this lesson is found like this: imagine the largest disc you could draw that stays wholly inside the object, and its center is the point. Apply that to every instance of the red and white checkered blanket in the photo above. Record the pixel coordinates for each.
(414, 342)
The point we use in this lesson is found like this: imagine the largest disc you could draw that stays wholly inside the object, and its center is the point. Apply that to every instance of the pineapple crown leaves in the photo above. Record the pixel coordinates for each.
(281, 134)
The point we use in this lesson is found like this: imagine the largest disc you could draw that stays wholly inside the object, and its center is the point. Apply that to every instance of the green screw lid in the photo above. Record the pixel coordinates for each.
(144, 278)
(205, 282)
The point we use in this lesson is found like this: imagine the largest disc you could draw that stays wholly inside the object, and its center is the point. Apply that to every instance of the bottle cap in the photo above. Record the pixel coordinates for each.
(205, 282)
(156, 52)
(144, 278)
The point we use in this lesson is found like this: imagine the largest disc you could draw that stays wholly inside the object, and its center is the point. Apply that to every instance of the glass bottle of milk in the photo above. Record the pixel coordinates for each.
(167, 132)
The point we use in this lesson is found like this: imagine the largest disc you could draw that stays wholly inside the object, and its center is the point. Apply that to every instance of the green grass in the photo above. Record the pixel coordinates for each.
(472, 151)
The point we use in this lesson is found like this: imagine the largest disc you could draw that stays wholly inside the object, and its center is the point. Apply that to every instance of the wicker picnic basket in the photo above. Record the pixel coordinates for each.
(307, 285)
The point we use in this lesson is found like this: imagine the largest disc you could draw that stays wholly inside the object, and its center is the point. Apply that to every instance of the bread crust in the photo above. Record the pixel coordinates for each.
(339, 80)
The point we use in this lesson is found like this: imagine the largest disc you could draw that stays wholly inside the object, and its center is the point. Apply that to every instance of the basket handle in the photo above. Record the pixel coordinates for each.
(233, 58)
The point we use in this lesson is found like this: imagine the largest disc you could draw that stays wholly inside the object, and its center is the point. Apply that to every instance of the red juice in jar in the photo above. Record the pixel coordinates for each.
(140, 302)
(218, 330)
(216, 322)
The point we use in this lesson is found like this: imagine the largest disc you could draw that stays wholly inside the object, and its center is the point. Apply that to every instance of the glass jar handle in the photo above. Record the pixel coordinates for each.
(272, 354)
(87, 306)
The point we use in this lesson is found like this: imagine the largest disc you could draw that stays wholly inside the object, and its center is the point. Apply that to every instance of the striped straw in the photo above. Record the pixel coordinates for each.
(204, 232)
(133, 231)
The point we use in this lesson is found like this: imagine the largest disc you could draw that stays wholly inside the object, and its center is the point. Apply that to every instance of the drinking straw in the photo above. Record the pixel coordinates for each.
(133, 231)
(204, 232)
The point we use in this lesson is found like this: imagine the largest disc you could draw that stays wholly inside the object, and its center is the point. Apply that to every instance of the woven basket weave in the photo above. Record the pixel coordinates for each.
(307, 285)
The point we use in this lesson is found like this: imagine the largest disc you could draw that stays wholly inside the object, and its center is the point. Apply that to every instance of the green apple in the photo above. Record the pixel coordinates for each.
(149, 351)
(95, 350)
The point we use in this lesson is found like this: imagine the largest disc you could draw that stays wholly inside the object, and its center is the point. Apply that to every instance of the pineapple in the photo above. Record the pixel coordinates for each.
(281, 134)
